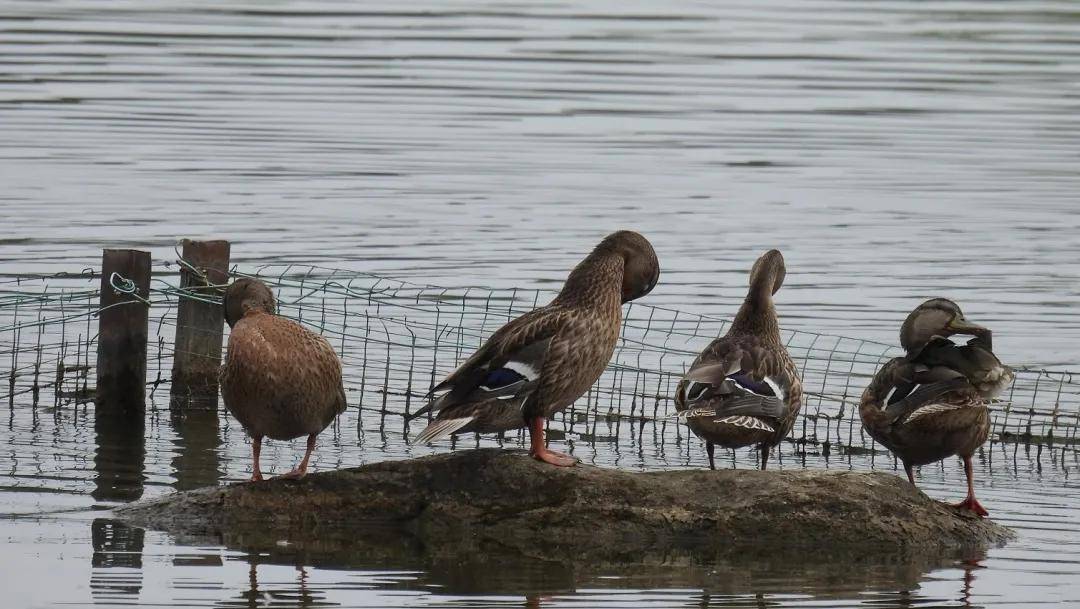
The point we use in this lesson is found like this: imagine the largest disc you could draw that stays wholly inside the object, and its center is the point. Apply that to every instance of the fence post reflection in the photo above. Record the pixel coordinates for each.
(116, 546)
(119, 457)
(196, 462)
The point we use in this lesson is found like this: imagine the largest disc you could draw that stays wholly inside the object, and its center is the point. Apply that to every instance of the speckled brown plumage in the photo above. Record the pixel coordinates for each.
(539, 363)
(280, 380)
(932, 403)
(744, 388)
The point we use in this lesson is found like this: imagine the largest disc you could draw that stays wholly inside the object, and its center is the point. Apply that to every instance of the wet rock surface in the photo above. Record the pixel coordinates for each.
(500, 503)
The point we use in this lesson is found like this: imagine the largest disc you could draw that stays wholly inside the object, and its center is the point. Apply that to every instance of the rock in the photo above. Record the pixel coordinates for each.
(474, 505)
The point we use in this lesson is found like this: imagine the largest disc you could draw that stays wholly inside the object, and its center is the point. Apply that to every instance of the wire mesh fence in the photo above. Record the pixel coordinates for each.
(397, 339)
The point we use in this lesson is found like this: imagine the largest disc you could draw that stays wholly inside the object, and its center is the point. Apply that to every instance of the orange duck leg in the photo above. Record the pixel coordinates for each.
(540, 452)
(970, 502)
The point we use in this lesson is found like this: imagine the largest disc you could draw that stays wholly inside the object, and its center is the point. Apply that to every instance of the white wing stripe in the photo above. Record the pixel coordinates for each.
(775, 387)
(748, 390)
(523, 369)
(689, 390)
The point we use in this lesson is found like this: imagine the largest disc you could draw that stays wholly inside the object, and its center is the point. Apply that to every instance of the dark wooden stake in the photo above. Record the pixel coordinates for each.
(123, 326)
(197, 356)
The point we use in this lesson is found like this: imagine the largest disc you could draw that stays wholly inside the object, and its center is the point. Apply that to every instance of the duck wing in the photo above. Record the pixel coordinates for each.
(506, 369)
(920, 396)
(975, 361)
(903, 387)
(739, 377)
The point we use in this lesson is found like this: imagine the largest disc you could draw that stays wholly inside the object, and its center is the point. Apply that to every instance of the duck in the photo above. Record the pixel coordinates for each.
(539, 363)
(744, 389)
(280, 380)
(932, 403)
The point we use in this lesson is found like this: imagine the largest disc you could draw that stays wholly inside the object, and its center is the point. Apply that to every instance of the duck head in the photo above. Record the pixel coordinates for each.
(641, 269)
(937, 317)
(244, 296)
(768, 272)
(757, 315)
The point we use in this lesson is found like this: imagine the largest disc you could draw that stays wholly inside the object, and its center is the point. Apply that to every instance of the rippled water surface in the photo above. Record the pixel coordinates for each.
(893, 150)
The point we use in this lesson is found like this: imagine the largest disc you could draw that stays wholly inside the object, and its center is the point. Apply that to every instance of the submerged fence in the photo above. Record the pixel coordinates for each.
(397, 339)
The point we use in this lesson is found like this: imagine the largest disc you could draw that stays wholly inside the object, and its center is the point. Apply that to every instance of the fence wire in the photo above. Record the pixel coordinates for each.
(397, 339)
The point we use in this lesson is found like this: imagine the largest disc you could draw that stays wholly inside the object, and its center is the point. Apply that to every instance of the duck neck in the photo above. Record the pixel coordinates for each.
(595, 282)
(872, 413)
(757, 315)
(253, 313)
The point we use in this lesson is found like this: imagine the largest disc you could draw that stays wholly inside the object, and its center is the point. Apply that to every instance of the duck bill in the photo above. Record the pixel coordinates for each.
(963, 326)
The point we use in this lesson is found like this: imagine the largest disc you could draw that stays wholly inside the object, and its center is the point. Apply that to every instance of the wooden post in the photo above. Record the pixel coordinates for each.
(197, 356)
(123, 326)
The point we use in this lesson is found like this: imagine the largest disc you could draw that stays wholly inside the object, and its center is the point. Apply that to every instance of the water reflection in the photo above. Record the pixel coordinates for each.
(288, 576)
(196, 461)
(298, 595)
(117, 560)
(969, 567)
(896, 150)
(452, 570)
(119, 456)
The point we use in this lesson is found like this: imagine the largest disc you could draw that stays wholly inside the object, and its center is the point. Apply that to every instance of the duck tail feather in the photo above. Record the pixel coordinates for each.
(752, 405)
(419, 413)
(439, 429)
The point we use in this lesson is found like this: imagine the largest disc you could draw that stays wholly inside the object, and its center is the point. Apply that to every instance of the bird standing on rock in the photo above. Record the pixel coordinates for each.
(744, 388)
(931, 403)
(539, 363)
(280, 380)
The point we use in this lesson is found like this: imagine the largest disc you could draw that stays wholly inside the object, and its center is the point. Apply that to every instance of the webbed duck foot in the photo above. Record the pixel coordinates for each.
(538, 449)
(295, 474)
(256, 477)
(555, 458)
(301, 468)
(972, 504)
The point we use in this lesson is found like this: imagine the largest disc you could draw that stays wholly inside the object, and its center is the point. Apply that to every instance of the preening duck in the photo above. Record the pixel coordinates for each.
(280, 380)
(744, 388)
(932, 402)
(539, 363)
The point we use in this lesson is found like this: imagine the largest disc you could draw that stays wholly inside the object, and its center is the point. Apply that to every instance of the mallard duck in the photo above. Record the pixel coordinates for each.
(280, 380)
(931, 403)
(744, 388)
(539, 363)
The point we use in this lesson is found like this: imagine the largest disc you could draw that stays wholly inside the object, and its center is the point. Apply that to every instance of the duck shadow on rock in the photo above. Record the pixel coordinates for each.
(494, 521)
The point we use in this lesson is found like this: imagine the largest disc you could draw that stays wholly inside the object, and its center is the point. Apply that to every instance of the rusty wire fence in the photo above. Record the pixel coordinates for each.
(397, 339)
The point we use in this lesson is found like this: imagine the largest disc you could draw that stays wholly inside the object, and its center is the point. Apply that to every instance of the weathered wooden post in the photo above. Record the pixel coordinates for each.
(196, 359)
(119, 421)
(197, 353)
(123, 325)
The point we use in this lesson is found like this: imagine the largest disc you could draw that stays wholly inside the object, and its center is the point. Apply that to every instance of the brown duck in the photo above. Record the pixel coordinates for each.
(931, 403)
(539, 363)
(744, 388)
(280, 380)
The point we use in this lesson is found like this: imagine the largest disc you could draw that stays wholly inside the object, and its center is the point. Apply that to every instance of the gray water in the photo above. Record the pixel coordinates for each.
(892, 150)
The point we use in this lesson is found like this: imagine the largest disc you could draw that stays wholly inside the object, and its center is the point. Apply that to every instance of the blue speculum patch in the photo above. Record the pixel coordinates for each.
(501, 377)
(747, 381)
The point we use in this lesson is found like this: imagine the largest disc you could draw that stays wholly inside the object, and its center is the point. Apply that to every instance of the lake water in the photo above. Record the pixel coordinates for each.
(892, 150)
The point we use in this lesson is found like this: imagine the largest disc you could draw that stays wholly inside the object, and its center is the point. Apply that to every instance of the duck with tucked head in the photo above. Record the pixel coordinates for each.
(932, 402)
(280, 380)
(744, 388)
(539, 363)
